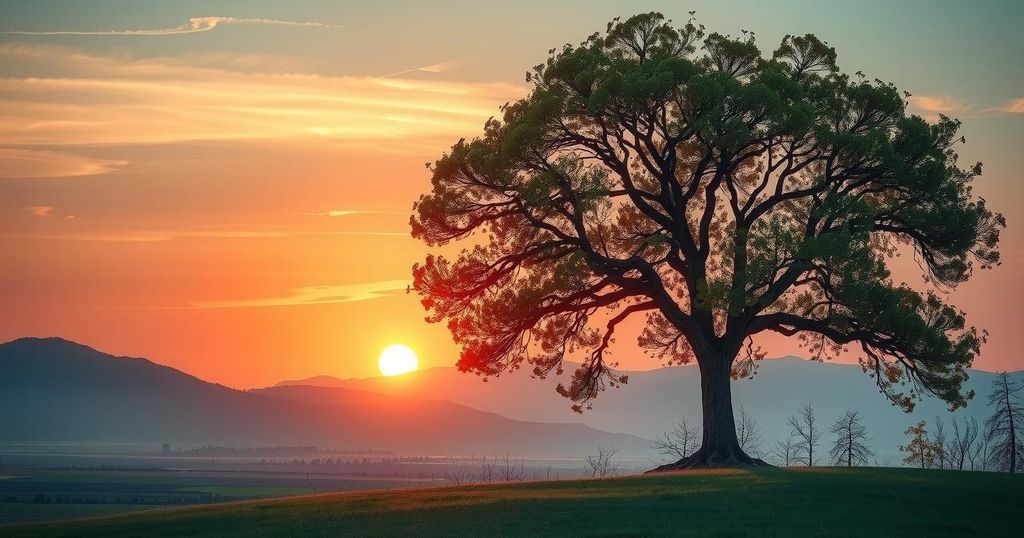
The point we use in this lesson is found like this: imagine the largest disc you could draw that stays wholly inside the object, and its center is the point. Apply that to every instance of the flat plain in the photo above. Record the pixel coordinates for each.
(763, 502)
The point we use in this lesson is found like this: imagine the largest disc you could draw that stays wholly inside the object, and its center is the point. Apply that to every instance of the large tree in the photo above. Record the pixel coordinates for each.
(660, 171)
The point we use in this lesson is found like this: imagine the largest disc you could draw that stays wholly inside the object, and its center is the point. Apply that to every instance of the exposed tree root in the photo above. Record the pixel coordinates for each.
(722, 459)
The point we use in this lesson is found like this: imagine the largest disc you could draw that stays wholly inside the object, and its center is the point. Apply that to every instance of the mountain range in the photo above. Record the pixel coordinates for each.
(653, 400)
(54, 390)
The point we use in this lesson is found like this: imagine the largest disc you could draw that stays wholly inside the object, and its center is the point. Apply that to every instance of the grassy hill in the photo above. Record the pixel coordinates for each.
(769, 502)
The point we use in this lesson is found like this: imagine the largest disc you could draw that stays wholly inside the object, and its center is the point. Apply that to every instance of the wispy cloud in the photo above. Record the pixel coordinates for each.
(313, 295)
(172, 235)
(379, 234)
(112, 237)
(16, 162)
(193, 26)
(432, 68)
(38, 211)
(339, 213)
(42, 211)
(933, 105)
(58, 96)
(347, 212)
(938, 104)
(1013, 106)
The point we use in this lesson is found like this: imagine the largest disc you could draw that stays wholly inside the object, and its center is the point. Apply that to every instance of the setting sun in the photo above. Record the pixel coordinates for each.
(397, 359)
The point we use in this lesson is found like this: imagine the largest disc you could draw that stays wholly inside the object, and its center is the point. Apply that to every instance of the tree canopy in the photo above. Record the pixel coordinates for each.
(682, 175)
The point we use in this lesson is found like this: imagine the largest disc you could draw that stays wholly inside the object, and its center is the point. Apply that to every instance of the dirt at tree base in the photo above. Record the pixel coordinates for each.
(697, 460)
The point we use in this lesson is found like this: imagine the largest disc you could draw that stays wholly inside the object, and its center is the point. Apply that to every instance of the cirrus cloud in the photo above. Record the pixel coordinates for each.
(57, 96)
(1013, 106)
(313, 295)
(25, 163)
(42, 211)
(938, 104)
(193, 26)
(931, 106)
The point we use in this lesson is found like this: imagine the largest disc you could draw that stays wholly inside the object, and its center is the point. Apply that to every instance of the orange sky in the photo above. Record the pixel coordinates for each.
(231, 196)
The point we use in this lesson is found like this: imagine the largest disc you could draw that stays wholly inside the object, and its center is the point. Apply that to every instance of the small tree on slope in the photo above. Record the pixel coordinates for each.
(785, 451)
(850, 447)
(680, 442)
(920, 451)
(961, 446)
(807, 433)
(748, 435)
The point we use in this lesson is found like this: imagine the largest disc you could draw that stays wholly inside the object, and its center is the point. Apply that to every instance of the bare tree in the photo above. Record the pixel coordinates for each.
(807, 433)
(1004, 430)
(785, 451)
(509, 471)
(748, 435)
(939, 444)
(980, 459)
(960, 447)
(310, 483)
(600, 465)
(851, 440)
(680, 441)
(488, 469)
(457, 478)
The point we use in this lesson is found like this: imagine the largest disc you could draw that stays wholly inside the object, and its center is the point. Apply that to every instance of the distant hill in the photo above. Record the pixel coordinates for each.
(653, 400)
(53, 390)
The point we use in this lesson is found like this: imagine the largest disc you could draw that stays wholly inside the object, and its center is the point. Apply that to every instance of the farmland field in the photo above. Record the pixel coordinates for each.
(54, 482)
(772, 502)
(53, 494)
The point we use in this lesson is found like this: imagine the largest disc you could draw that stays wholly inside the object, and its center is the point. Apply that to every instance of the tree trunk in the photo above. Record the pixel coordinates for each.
(1013, 431)
(849, 446)
(719, 445)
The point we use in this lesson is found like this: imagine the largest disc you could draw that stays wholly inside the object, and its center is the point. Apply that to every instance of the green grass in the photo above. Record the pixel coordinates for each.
(769, 502)
(247, 491)
(25, 512)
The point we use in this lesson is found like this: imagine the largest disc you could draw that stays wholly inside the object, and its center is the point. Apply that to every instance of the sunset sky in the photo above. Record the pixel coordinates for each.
(225, 187)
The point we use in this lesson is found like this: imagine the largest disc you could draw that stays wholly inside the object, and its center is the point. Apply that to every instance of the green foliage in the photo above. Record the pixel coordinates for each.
(686, 175)
(921, 452)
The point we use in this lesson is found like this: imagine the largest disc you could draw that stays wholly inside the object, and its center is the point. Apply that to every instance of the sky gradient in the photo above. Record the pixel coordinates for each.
(225, 187)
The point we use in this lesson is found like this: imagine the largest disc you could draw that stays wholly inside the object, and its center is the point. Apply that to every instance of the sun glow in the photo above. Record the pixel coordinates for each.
(397, 359)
